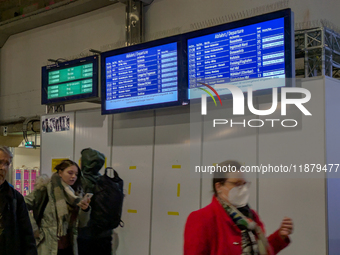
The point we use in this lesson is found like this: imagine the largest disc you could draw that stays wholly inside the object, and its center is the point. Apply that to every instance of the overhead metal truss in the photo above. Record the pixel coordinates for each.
(320, 49)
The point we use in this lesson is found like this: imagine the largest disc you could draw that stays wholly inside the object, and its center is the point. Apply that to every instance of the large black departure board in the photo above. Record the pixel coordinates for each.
(140, 77)
(151, 71)
(70, 81)
(252, 54)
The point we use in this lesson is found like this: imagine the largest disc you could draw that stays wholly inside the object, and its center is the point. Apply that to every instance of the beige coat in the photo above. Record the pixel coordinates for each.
(46, 236)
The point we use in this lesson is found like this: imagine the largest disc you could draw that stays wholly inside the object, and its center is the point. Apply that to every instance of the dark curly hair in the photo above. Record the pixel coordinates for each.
(67, 163)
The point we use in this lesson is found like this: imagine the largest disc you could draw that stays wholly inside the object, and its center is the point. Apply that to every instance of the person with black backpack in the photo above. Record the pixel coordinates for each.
(106, 205)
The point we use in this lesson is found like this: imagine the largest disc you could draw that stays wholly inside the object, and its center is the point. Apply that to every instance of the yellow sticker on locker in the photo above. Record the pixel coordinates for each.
(129, 190)
(132, 211)
(133, 167)
(178, 189)
(173, 213)
(176, 166)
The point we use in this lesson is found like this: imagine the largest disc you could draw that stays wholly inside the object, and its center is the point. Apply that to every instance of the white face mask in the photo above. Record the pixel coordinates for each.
(238, 196)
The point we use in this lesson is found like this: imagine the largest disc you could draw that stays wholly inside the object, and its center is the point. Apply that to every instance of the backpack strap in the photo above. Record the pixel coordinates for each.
(121, 223)
(115, 174)
(108, 168)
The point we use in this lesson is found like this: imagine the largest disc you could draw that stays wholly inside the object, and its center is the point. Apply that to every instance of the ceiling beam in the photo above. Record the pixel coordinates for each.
(53, 13)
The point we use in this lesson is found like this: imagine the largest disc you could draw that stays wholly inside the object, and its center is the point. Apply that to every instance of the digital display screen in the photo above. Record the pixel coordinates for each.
(248, 56)
(143, 77)
(68, 81)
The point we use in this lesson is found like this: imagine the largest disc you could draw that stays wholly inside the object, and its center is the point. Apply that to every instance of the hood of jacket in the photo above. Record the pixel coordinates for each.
(91, 162)
(41, 182)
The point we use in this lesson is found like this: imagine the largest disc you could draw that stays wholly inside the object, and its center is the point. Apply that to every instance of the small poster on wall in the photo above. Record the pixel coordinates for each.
(56, 124)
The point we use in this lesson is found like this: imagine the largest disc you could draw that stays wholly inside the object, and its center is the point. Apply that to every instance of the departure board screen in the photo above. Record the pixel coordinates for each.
(70, 81)
(77, 79)
(141, 78)
(252, 55)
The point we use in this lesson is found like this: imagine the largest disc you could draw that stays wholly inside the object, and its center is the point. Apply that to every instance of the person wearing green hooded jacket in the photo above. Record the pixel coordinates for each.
(89, 241)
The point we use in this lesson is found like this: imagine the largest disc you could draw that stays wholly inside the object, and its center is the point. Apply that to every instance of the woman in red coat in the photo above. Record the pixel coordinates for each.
(227, 226)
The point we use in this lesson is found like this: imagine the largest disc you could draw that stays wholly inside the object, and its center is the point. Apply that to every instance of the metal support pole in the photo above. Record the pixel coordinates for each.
(323, 53)
(331, 56)
(134, 22)
(306, 57)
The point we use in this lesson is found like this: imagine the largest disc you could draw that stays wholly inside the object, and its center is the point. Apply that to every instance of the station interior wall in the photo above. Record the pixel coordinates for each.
(147, 147)
(152, 152)
(23, 55)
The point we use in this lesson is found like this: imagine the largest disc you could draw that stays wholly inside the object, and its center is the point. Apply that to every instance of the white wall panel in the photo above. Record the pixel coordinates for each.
(26, 156)
(56, 144)
(132, 155)
(226, 142)
(93, 130)
(332, 107)
(301, 197)
(175, 191)
(196, 129)
(151, 151)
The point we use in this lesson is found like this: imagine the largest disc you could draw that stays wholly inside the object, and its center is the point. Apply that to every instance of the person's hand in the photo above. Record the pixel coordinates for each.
(286, 228)
(84, 204)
